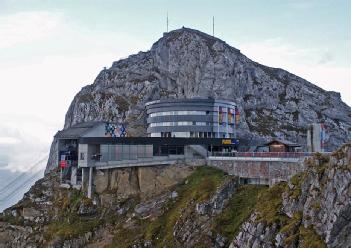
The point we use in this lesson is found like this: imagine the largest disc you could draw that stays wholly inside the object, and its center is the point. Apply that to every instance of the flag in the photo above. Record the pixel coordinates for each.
(237, 115)
(63, 164)
(230, 115)
(220, 114)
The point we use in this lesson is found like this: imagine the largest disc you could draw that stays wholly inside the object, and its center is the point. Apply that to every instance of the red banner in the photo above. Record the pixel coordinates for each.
(237, 115)
(63, 164)
(220, 110)
(231, 113)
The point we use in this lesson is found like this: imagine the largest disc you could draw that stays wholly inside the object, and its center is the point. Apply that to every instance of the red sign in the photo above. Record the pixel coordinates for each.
(63, 164)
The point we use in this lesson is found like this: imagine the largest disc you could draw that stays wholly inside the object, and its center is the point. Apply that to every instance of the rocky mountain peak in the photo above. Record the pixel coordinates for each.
(188, 35)
(187, 63)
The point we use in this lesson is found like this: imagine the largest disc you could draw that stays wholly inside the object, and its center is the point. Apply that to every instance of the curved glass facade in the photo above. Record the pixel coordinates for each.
(204, 118)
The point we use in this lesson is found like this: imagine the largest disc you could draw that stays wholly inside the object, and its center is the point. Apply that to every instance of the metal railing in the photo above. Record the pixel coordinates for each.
(262, 154)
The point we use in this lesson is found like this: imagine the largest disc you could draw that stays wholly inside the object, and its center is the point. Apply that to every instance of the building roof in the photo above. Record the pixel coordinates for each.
(285, 142)
(78, 130)
(189, 100)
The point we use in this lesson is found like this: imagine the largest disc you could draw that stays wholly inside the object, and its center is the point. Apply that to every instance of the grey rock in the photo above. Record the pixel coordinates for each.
(324, 203)
(186, 63)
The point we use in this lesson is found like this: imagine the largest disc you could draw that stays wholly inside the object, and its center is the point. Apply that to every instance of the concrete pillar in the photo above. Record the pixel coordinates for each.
(309, 140)
(90, 184)
(74, 175)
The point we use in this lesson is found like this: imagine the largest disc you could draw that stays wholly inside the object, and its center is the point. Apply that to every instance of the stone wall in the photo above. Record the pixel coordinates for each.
(261, 172)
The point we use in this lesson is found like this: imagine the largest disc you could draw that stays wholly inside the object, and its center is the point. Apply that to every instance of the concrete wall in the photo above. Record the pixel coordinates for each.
(83, 148)
(88, 151)
(259, 172)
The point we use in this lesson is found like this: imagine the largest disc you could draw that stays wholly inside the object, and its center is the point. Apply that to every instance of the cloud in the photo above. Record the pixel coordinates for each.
(20, 144)
(8, 141)
(315, 65)
(26, 27)
(45, 60)
(326, 57)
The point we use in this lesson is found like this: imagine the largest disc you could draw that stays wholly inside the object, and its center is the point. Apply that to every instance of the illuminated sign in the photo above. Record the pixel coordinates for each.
(226, 141)
(230, 142)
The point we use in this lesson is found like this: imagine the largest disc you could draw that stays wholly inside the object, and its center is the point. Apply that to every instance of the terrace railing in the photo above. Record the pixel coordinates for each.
(262, 154)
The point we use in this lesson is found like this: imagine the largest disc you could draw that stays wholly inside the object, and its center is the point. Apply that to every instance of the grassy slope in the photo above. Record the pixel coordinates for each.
(197, 188)
(239, 209)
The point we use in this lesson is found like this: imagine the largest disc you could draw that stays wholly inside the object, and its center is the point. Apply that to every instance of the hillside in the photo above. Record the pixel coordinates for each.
(187, 63)
(207, 208)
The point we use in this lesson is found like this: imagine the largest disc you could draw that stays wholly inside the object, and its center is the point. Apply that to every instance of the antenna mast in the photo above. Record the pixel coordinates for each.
(213, 24)
(167, 22)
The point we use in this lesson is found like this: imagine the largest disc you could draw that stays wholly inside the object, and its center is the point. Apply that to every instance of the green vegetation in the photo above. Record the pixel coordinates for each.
(291, 228)
(17, 221)
(270, 203)
(310, 239)
(69, 224)
(297, 181)
(198, 187)
(238, 210)
(71, 228)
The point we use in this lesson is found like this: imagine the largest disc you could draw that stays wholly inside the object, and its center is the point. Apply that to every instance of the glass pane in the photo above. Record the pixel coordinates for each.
(104, 152)
(125, 152)
(118, 152)
(149, 151)
(133, 151)
(141, 151)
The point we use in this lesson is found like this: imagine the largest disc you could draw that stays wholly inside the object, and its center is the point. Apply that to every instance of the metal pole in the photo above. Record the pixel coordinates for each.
(227, 123)
(167, 22)
(213, 24)
(218, 123)
(236, 126)
(90, 184)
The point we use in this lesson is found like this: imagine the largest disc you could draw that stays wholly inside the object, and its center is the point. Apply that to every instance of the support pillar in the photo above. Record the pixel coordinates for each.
(74, 175)
(85, 178)
(90, 184)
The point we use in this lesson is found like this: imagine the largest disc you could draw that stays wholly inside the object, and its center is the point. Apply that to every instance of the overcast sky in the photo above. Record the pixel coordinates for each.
(50, 49)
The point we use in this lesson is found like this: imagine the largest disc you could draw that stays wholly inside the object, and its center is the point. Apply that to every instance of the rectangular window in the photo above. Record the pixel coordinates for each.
(82, 156)
(149, 151)
(125, 152)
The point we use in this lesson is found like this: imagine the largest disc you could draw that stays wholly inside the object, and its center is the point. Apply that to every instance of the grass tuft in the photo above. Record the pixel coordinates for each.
(239, 208)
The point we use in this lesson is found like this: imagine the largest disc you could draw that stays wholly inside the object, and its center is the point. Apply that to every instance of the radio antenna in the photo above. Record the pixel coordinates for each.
(167, 22)
(213, 26)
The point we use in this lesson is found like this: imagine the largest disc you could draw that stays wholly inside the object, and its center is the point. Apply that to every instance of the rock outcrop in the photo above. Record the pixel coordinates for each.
(312, 210)
(145, 181)
(206, 209)
(186, 63)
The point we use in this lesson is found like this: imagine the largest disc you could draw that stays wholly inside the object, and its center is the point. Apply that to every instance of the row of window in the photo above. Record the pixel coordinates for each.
(210, 135)
(188, 123)
(125, 152)
(224, 110)
(192, 135)
(179, 112)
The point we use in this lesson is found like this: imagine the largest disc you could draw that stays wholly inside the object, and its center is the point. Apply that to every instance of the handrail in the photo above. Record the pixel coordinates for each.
(263, 154)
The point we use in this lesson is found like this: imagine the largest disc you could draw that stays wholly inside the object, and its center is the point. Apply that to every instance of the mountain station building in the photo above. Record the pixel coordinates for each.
(178, 130)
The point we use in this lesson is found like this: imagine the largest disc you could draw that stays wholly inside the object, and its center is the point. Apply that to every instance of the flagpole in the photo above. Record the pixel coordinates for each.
(227, 123)
(218, 123)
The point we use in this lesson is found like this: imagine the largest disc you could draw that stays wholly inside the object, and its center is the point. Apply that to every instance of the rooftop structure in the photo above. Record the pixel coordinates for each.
(277, 145)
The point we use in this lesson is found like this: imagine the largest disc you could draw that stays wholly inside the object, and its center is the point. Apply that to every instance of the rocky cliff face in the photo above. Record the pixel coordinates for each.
(312, 210)
(187, 63)
(206, 209)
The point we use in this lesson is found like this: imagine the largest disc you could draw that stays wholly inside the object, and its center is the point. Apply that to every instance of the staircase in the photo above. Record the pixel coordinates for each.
(199, 150)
